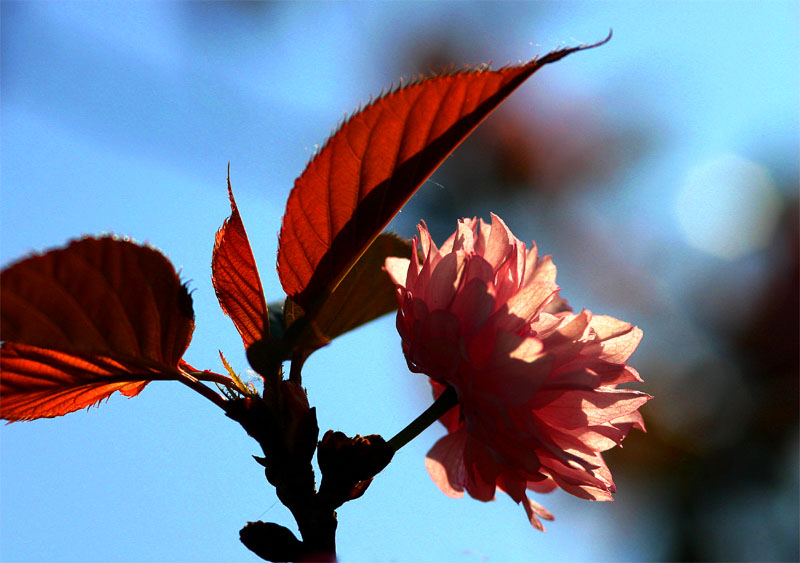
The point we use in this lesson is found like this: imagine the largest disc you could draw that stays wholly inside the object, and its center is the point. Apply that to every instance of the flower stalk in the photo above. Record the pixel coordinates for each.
(446, 401)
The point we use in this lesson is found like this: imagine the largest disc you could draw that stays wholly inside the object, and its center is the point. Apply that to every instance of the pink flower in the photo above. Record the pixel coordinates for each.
(536, 383)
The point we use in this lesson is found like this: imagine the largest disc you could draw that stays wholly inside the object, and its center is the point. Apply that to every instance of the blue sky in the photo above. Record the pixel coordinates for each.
(122, 117)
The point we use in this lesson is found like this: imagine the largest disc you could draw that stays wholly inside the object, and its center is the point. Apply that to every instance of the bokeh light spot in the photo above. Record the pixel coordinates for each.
(728, 207)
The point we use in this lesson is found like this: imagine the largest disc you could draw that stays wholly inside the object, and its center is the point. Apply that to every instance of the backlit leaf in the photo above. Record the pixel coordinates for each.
(236, 279)
(38, 382)
(81, 322)
(372, 165)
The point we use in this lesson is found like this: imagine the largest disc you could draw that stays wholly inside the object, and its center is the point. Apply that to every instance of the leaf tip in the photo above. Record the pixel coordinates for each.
(559, 54)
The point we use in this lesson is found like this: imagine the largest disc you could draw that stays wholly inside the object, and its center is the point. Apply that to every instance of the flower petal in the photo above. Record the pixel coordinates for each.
(499, 246)
(445, 464)
(590, 373)
(444, 281)
(534, 510)
(525, 305)
(580, 408)
(618, 338)
(472, 305)
(398, 268)
(482, 471)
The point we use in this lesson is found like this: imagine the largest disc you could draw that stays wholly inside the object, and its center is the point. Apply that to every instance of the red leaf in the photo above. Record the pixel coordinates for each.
(81, 322)
(373, 164)
(38, 382)
(236, 279)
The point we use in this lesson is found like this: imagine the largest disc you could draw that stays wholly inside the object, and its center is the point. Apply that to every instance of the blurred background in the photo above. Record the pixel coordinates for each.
(660, 170)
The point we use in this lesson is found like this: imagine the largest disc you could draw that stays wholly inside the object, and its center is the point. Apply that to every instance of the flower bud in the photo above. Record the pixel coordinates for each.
(349, 464)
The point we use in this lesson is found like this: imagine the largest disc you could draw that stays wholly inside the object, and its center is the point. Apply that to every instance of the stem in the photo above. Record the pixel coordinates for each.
(446, 401)
(159, 374)
(206, 392)
(213, 378)
(299, 357)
